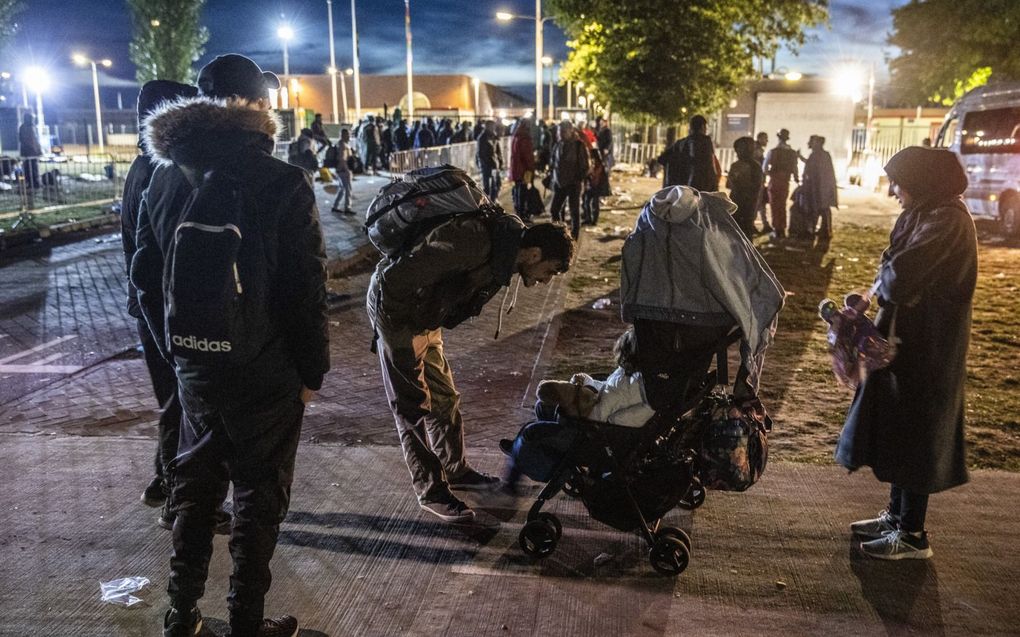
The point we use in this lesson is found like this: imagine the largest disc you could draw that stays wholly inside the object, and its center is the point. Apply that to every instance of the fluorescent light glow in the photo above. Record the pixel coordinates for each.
(504, 16)
(37, 79)
(285, 32)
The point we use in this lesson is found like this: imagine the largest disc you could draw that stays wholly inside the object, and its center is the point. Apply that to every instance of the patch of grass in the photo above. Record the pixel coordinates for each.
(57, 217)
(798, 385)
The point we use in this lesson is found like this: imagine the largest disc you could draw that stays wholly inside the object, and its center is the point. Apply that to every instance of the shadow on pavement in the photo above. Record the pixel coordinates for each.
(220, 628)
(905, 594)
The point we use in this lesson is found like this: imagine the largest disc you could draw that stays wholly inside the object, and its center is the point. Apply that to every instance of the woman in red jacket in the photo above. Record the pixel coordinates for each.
(522, 166)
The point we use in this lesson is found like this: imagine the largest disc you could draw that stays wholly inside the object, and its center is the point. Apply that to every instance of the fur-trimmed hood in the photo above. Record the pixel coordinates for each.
(200, 132)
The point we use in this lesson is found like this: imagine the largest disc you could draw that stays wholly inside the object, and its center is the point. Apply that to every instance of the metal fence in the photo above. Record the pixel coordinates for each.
(49, 184)
(460, 155)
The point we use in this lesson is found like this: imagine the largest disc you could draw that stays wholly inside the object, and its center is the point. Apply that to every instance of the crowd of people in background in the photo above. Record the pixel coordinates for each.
(576, 159)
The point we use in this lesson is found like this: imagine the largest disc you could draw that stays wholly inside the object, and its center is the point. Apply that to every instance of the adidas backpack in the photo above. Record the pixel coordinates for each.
(216, 279)
(405, 210)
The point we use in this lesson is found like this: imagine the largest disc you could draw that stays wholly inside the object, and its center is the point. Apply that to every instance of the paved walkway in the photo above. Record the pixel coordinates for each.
(62, 305)
(357, 557)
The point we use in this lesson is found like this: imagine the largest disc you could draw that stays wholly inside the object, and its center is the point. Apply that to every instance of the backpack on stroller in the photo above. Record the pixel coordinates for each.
(630, 478)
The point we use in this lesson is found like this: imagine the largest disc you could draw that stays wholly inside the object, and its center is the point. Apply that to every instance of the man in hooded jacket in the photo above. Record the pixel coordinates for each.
(241, 422)
(907, 420)
(161, 373)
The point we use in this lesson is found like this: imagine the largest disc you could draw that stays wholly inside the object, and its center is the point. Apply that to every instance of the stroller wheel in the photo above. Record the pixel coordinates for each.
(672, 531)
(694, 497)
(669, 556)
(553, 521)
(538, 538)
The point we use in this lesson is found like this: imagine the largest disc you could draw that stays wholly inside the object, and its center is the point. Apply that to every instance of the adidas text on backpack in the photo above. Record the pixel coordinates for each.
(407, 209)
(216, 280)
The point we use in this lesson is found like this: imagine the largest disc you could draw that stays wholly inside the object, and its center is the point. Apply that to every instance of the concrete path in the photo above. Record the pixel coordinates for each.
(357, 557)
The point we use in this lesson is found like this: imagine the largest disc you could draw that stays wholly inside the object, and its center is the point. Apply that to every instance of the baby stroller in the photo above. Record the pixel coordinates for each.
(630, 478)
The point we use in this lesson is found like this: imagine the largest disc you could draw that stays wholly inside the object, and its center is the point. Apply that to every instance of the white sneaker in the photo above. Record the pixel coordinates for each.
(876, 528)
(898, 545)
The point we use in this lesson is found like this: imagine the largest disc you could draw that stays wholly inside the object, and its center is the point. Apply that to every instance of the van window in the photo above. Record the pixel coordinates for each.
(947, 134)
(992, 131)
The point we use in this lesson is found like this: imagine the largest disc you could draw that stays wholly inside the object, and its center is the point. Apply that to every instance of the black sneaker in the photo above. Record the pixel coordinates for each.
(449, 509)
(167, 516)
(154, 494)
(178, 623)
(473, 480)
(898, 545)
(282, 626)
(223, 520)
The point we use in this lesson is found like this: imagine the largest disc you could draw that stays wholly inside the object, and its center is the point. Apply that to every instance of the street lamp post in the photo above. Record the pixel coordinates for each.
(476, 83)
(343, 91)
(410, 81)
(548, 61)
(81, 60)
(504, 16)
(357, 64)
(332, 61)
(35, 79)
(286, 34)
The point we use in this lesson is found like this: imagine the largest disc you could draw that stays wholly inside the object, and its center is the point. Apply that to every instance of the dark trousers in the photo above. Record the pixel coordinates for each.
(490, 182)
(164, 385)
(779, 190)
(255, 450)
(562, 195)
(909, 508)
(30, 168)
(592, 206)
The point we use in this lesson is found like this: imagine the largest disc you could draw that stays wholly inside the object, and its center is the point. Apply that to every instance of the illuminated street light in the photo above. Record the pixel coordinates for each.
(154, 23)
(81, 60)
(505, 16)
(286, 34)
(793, 76)
(37, 80)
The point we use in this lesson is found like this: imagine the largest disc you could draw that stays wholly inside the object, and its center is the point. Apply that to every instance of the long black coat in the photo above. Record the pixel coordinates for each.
(906, 421)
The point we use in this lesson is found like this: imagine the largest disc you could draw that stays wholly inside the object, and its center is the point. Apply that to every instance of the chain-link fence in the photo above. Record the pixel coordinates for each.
(32, 186)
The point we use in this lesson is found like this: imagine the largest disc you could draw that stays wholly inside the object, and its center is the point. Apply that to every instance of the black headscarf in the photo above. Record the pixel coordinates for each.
(928, 174)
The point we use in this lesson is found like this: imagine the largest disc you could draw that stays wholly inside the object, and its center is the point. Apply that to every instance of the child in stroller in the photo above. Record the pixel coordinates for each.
(628, 463)
(618, 400)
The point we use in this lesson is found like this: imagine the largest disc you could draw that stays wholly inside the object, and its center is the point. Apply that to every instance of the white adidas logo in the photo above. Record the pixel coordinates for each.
(201, 344)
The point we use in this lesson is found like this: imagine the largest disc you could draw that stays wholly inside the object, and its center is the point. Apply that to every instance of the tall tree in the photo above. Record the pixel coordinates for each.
(9, 9)
(948, 47)
(661, 58)
(168, 38)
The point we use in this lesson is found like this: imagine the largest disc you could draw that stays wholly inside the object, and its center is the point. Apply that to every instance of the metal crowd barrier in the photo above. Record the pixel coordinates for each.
(31, 186)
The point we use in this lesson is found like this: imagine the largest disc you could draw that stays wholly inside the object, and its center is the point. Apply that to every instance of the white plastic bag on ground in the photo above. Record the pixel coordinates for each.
(119, 591)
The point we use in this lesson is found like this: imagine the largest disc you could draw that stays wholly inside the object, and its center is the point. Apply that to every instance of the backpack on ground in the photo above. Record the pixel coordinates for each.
(533, 203)
(406, 210)
(355, 165)
(216, 279)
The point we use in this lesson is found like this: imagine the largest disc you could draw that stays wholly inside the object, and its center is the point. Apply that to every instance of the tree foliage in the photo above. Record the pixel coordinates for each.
(951, 46)
(655, 58)
(9, 9)
(168, 38)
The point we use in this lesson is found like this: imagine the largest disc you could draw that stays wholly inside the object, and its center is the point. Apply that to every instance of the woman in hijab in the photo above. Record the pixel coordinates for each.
(906, 420)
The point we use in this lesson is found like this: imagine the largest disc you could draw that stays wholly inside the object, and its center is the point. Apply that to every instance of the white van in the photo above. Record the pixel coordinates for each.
(983, 129)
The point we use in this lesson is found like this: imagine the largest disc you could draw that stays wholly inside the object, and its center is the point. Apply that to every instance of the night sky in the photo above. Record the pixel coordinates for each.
(450, 36)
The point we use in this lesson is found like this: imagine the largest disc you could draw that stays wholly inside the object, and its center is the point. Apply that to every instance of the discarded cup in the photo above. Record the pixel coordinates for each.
(119, 591)
(601, 304)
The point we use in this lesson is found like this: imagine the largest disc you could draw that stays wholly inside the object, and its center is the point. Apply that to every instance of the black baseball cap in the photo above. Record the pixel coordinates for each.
(232, 74)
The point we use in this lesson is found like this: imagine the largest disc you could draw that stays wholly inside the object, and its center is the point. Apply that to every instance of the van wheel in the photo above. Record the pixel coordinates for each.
(1009, 217)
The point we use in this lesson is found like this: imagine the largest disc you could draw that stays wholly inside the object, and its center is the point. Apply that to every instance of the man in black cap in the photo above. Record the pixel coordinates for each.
(779, 165)
(242, 421)
(161, 372)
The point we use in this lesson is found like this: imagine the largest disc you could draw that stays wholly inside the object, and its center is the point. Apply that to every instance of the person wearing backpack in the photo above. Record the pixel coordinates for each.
(569, 168)
(231, 281)
(445, 278)
(691, 161)
(161, 373)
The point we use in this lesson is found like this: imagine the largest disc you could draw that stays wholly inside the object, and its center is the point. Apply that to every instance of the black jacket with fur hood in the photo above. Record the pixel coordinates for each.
(186, 139)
